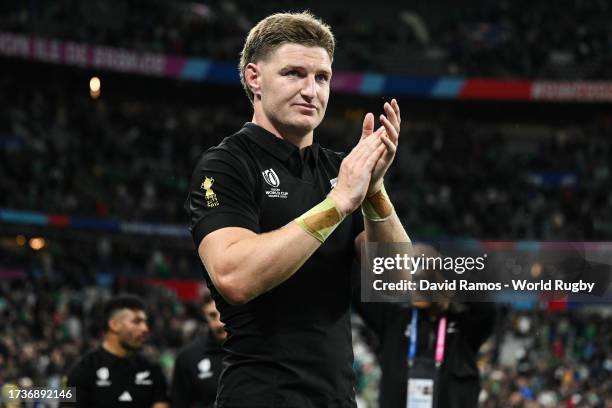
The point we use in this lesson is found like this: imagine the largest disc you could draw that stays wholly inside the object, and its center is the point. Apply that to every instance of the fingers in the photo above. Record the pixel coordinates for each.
(373, 158)
(368, 125)
(380, 131)
(392, 116)
(364, 140)
(358, 149)
(396, 108)
(369, 145)
(391, 147)
(391, 131)
(393, 119)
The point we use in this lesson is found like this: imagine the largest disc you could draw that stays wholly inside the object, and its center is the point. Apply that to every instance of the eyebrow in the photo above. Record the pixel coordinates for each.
(299, 67)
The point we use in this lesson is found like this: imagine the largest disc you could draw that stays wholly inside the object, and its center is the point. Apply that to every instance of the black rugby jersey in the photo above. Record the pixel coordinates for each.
(196, 373)
(290, 347)
(105, 380)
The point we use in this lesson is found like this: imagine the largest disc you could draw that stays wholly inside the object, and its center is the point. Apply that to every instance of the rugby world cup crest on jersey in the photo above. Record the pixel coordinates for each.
(103, 375)
(271, 178)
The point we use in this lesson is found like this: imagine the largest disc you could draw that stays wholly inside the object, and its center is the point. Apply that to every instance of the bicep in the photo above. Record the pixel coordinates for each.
(214, 246)
(222, 194)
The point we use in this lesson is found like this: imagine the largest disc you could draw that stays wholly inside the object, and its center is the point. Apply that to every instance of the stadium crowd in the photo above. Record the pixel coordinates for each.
(62, 152)
(536, 358)
(549, 359)
(500, 38)
(131, 159)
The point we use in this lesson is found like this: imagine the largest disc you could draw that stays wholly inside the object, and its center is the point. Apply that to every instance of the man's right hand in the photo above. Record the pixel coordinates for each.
(355, 173)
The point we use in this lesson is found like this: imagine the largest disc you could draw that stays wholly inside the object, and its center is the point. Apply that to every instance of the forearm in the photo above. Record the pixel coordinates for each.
(389, 230)
(257, 264)
(380, 220)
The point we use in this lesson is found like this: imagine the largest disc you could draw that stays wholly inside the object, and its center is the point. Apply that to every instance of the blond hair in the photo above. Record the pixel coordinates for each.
(299, 28)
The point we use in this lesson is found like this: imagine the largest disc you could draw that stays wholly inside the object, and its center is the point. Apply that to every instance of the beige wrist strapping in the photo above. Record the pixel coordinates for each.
(321, 220)
(377, 207)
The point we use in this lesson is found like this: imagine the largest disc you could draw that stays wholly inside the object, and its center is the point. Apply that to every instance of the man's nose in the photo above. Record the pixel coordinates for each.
(309, 87)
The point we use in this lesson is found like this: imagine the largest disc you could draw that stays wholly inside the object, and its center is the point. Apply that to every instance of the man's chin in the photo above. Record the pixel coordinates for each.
(302, 126)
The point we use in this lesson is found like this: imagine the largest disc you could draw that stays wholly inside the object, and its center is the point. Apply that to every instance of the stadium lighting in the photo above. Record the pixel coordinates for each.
(37, 243)
(95, 86)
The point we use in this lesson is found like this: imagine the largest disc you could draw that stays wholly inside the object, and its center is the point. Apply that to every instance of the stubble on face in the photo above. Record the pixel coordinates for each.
(294, 89)
(133, 331)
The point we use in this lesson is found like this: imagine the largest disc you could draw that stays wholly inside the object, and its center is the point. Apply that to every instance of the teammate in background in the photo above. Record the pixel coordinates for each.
(115, 374)
(198, 366)
(273, 218)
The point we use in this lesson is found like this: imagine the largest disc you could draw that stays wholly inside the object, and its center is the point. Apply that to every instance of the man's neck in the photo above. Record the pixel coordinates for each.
(301, 140)
(112, 346)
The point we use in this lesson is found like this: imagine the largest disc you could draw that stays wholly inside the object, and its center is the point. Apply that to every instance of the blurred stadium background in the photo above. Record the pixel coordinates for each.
(105, 106)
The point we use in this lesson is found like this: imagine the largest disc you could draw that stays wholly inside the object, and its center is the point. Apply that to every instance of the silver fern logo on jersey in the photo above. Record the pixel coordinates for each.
(271, 178)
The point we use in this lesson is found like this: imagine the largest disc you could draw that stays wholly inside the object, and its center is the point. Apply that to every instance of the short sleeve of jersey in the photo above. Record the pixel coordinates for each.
(76, 377)
(222, 194)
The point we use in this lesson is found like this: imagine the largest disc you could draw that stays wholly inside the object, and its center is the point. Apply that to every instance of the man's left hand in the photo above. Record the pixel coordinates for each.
(389, 134)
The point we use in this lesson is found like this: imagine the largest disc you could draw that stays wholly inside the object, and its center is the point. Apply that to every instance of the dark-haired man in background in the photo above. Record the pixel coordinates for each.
(197, 366)
(115, 374)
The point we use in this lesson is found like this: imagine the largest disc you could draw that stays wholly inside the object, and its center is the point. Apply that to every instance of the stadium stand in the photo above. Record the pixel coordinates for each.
(501, 39)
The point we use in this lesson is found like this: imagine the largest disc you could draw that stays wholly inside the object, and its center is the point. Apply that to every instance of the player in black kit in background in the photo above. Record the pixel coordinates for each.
(197, 366)
(115, 374)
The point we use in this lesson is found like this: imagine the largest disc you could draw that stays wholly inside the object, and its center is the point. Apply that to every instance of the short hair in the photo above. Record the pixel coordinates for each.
(206, 298)
(281, 28)
(121, 302)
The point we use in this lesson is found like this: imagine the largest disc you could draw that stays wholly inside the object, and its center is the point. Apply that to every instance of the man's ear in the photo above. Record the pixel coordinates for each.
(252, 77)
(114, 324)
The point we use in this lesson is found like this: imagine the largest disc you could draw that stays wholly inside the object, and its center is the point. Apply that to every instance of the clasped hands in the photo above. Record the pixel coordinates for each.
(362, 170)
